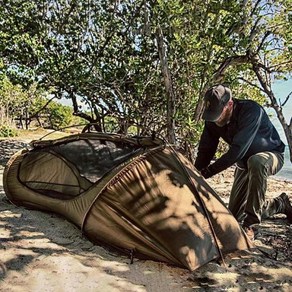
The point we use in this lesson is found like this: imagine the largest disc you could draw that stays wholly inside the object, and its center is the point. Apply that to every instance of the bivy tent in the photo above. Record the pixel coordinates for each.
(135, 194)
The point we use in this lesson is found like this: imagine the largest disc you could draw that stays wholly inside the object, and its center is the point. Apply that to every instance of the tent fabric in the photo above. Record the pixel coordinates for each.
(134, 194)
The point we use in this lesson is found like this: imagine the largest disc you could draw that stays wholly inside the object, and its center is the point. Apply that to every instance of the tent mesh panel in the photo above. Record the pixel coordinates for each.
(95, 158)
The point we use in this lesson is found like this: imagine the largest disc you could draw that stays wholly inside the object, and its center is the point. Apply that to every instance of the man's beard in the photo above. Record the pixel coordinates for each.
(223, 122)
(225, 119)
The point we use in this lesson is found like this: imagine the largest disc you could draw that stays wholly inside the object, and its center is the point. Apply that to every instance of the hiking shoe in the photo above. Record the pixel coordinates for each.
(287, 208)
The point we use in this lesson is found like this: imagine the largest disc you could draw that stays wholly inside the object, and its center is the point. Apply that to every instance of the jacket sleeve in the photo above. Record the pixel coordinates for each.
(207, 147)
(248, 124)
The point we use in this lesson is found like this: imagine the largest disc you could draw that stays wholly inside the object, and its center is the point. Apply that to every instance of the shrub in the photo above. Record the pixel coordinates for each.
(6, 131)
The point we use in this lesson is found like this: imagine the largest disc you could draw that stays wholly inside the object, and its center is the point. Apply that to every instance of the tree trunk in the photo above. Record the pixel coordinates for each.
(274, 104)
(168, 87)
(264, 80)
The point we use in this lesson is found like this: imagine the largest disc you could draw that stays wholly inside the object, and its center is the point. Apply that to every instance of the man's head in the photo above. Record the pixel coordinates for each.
(218, 105)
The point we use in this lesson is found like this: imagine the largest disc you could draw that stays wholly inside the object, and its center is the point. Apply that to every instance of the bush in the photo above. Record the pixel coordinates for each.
(6, 131)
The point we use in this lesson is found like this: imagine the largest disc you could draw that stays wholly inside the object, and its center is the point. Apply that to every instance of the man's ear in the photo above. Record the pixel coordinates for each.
(230, 103)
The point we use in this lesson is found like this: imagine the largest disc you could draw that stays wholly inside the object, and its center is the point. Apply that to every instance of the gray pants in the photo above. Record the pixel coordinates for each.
(247, 199)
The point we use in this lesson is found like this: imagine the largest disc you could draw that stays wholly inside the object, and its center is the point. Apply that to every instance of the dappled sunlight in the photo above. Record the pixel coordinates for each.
(243, 269)
(26, 240)
(160, 207)
(74, 265)
(171, 211)
(34, 257)
(44, 250)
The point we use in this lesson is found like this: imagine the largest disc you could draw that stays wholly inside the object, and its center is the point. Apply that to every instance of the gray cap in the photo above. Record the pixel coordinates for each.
(215, 99)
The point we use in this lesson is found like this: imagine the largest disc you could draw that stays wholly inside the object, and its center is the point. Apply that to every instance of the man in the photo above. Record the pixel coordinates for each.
(254, 146)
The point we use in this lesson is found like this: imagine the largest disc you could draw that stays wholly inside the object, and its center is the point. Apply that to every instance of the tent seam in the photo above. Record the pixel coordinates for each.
(116, 177)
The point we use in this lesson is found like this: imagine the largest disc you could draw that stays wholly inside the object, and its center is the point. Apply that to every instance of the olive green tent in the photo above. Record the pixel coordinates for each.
(134, 194)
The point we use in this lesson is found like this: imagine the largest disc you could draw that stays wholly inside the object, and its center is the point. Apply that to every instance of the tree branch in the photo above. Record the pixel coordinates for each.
(34, 115)
(229, 61)
(263, 41)
(286, 99)
(251, 84)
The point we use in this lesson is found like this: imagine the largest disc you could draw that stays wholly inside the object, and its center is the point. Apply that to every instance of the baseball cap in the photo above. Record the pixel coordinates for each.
(215, 100)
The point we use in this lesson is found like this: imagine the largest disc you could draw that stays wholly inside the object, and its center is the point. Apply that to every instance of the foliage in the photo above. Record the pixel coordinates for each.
(12, 101)
(86, 50)
(7, 131)
(105, 55)
(58, 116)
(22, 107)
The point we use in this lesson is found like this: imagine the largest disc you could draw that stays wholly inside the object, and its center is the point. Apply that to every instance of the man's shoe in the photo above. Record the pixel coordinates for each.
(287, 208)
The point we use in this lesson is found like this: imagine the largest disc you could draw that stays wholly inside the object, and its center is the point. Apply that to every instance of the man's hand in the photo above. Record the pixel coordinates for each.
(206, 172)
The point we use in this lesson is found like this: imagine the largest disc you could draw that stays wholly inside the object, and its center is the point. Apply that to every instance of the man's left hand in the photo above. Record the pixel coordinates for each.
(206, 172)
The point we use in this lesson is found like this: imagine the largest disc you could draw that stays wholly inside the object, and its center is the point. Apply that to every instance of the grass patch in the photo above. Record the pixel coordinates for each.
(36, 134)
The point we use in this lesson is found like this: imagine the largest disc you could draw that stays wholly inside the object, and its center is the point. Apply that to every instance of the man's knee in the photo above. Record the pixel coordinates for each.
(257, 163)
(257, 167)
(265, 163)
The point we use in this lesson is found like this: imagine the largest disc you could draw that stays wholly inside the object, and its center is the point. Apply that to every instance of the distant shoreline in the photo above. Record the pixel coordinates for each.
(281, 178)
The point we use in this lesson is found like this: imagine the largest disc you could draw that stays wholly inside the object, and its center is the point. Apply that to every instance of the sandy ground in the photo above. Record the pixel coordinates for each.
(44, 252)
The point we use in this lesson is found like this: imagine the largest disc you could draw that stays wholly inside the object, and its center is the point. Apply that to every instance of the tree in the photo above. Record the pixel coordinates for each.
(98, 52)
(245, 44)
(20, 107)
(267, 34)
(12, 101)
(147, 63)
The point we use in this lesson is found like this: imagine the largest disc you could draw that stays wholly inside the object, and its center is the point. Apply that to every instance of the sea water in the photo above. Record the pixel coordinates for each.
(286, 171)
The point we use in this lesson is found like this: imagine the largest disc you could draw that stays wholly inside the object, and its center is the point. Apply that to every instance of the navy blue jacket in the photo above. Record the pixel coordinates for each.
(249, 131)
